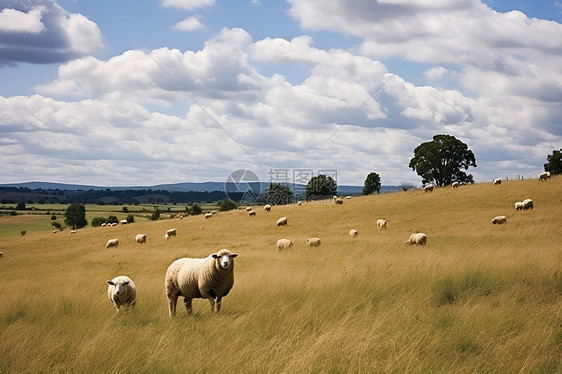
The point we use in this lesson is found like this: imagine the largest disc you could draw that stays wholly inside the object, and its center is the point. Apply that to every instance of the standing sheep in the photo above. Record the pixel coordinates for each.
(252, 213)
(544, 176)
(267, 208)
(418, 239)
(528, 204)
(339, 201)
(282, 221)
(170, 233)
(313, 242)
(140, 238)
(455, 184)
(497, 181)
(122, 292)
(112, 243)
(381, 224)
(208, 278)
(284, 244)
(519, 205)
(428, 188)
(248, 208)
(299, 203)
(353, 233)
(499, 220)
(208, 215)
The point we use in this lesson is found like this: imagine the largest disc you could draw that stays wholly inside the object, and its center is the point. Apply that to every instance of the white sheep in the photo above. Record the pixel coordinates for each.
(418, 239)
(348, 197)
(103, 224)
(544, 176)
(72, 232)
(284, 244)
(122, 292)
(55, 231)
(208, 278)
(455, 184)
(353, 233)
(208, 215)
(313, 242)
(123, 222)
(170, 233)
(140, 238)
(299, 203)
(528, 204)
(497, 181)
(248, 208)
(267, 208)
(428, 188)
(252, 213)
(381, 224)
(282, 221)
(499, 220)
(338, 201)
(112, 243)
(519, 205)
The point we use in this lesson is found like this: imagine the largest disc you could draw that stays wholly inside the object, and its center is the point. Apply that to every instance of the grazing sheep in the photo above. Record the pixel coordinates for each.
(267, 208)
(112, 243)
(103, 224)
(208, 278)
(170, 233)
(418, 239)
(248, 209)
(428, 188)
(252, 213)
(55, 231)
(313, 242)
(300, 203)
(499, 220)
(353, 233)
(284, 244)
(122, 292)
(519, 205)
(544, 176)
(455, 184)
(72, 231)
(498, 181)
(528, 204)
(213, 212)
(348, 197)
(282, 221)
(381, 224)
(208, 215)
(339, 201)
(123, 222)
(140, 238)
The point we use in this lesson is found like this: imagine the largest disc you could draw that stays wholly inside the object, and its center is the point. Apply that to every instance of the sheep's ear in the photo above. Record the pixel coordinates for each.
(110, 282)
(126, 283)
(234, 255)
(214, 255)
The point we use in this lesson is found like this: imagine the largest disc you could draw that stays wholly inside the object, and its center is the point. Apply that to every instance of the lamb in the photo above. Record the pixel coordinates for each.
(267, 208)
(353, 233)
(122, 292)
(170, 233)
(428, 188)
(528, 204)
(519, 205)
(418, 239)
(252, 213)
(498, 181)
(140, 238)
(284, 244)
(544, 176)
(339, 201)
(208, 215)
(208, 278)
(112, 243)
(313, 242)
(381, 224)
(282, 221)
(499, 220)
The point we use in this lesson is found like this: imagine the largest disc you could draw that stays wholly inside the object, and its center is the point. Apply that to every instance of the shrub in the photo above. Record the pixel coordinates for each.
(97, 221)
(130, 218)
(195, 209)
(23, 232)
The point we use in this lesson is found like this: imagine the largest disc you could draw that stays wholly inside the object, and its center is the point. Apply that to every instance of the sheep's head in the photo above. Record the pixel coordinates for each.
(119, 286)
(225, 258)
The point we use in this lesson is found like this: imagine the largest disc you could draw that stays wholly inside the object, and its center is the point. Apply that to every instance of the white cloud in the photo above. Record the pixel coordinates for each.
(188, 4)
(12, 20)
(189, 24)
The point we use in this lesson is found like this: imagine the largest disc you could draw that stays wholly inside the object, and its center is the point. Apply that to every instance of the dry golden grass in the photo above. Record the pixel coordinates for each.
(477, 298)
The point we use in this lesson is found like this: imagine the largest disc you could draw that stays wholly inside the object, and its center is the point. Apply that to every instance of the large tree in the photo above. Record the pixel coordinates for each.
(372, 184)
(442, 161)
(554, 164)
(321, 186)
(278, 194)
(75, 216)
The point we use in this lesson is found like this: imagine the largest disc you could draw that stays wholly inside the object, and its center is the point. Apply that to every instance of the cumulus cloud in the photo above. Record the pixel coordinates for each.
(188, 4)
(189, 24)
(40, 31)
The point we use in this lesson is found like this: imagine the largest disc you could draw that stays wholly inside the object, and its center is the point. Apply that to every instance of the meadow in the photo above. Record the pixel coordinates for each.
(477, 298)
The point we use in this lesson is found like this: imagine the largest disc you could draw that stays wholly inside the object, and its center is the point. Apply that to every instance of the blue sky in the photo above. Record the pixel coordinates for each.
(145, 92)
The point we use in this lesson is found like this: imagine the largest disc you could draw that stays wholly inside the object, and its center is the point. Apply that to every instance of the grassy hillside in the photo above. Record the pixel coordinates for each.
(477, 298)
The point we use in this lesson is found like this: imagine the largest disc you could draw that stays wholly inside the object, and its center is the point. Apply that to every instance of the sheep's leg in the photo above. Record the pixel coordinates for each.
(212, 302)
(187, 301)
(219, 303)
(172, 301)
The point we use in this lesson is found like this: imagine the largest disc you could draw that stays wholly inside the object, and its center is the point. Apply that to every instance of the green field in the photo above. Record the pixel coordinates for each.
(478, 298)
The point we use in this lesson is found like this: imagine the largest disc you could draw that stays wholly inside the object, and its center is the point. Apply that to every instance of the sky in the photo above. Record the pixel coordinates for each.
(128, 92)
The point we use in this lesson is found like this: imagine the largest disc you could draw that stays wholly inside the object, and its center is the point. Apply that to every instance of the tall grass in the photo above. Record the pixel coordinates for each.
(477, 298)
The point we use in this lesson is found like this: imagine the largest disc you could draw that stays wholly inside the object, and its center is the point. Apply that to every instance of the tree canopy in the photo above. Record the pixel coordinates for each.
(321, 186)
(372, 184)
(442, 161)
(554, 164)
(75, 216)
(278, 194)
